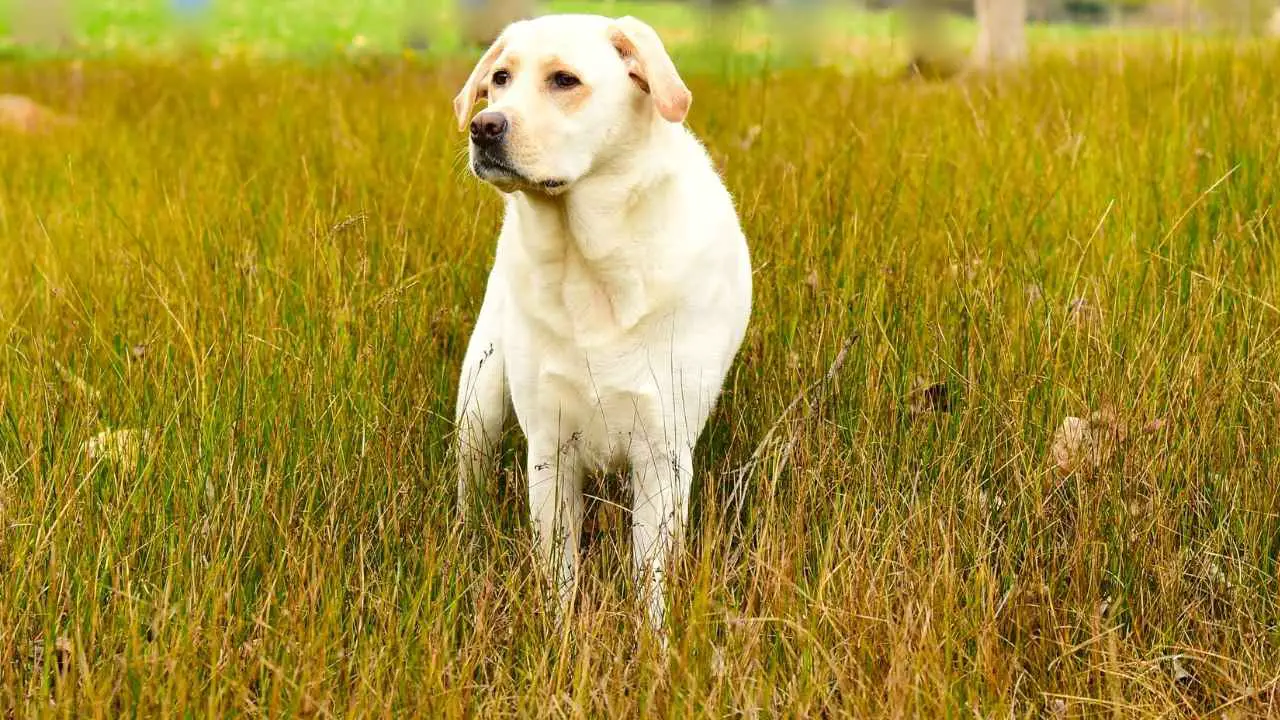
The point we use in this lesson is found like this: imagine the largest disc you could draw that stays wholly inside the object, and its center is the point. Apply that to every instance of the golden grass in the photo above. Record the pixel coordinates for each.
(274, 269)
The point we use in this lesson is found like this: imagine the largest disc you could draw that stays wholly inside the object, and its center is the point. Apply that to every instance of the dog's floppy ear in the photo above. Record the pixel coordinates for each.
(650, 67)
(476, 86)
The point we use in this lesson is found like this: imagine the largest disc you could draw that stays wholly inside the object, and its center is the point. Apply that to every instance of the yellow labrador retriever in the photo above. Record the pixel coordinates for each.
(621, 285)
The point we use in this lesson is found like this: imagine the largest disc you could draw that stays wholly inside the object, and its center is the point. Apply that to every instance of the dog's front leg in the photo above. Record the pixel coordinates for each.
(660, 482)
(483, 398)
(555, 510)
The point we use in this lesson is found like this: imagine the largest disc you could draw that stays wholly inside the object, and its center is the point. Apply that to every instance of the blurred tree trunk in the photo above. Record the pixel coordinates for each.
(484, 20)
(41, 23)
(924, 20)
(417, 25)
(1002, 35)
(932, 54)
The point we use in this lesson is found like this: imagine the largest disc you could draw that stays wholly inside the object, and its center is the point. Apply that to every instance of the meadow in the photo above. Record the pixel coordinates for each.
(265, 272)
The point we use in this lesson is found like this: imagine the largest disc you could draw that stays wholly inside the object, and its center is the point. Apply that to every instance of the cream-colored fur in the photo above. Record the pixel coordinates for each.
(620, 290)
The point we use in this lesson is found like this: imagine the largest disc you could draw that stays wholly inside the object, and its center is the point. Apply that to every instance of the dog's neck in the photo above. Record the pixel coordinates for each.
(591, 216)
(594, 247)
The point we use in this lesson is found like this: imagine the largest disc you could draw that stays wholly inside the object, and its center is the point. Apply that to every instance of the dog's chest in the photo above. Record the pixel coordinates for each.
(588, 349)
(598, 395)
(585, 304)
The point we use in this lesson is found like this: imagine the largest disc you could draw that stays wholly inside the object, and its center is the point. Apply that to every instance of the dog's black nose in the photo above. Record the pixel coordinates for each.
(488, 128)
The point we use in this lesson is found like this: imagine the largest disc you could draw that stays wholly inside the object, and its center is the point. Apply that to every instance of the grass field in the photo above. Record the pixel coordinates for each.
(272, 268)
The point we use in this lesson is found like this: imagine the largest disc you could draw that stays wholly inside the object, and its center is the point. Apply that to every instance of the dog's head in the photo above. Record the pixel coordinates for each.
(565, 94)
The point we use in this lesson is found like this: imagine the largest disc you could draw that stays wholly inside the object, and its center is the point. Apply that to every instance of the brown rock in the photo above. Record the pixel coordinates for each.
(19, 113)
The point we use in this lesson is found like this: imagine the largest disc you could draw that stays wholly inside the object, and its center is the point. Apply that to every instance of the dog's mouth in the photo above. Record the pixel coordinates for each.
(497, 170)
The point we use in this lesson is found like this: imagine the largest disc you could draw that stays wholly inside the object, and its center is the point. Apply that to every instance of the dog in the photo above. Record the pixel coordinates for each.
(620, 289)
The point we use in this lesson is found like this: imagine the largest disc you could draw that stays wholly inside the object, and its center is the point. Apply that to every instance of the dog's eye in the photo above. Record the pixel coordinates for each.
(502, 77)
(564, 80)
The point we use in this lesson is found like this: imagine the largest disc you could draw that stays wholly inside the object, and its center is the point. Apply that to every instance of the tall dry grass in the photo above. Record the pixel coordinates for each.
(273, 269)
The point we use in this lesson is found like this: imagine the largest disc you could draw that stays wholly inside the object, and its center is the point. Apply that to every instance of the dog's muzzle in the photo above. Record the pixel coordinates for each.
(490, 161)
